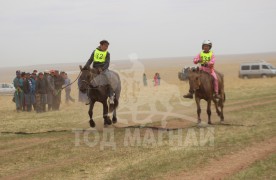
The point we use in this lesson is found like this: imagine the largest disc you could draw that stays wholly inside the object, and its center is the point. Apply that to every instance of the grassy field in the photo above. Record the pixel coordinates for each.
(263, 169)
(59, 145)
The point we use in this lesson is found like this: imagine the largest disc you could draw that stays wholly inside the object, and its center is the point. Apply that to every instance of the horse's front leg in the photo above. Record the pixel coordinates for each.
(107, 120)
(114, 118)
(221, 107)
(198, 109)
(90, 112)
(209, 111)
(217, 109)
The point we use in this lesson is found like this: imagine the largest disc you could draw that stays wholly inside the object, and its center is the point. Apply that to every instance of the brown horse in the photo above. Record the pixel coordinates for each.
(97, 94)
(201, 83)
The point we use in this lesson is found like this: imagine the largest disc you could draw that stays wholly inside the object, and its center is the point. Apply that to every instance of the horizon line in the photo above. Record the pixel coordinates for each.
(155, 58)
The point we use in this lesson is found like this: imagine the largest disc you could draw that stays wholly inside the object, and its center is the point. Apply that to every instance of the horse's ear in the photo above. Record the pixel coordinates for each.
(80, 67)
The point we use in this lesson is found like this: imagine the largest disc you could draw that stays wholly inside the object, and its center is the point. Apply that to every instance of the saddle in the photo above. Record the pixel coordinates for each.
(97, 70)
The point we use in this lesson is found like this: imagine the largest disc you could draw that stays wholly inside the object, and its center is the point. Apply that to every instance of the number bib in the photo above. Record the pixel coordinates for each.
(99, 56)
(206, 57)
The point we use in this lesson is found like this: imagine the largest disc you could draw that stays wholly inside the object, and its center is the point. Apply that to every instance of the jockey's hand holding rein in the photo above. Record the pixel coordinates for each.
(100, 70)
(199, 61)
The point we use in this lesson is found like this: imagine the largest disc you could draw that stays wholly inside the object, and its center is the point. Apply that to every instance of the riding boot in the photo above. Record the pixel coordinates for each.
(189, 95)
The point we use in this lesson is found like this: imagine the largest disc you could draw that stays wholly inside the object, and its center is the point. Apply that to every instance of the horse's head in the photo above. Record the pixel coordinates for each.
(194, 78)
(85, 78)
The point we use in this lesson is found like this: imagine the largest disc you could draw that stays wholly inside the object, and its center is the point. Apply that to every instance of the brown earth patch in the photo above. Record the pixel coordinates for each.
(231, 163)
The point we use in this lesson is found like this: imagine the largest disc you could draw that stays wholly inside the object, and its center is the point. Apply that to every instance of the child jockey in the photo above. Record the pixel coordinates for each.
(207, 60)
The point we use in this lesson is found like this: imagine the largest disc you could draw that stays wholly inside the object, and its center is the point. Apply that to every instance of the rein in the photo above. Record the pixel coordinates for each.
(72, 82)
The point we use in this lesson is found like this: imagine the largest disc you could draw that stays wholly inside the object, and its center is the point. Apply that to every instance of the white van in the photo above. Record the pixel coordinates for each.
(6, 89)
(257, 69)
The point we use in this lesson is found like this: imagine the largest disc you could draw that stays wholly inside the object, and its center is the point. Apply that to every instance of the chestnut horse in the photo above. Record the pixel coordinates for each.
(201, 83)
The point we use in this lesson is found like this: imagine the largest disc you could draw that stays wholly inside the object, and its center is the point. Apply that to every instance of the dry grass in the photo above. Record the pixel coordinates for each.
(54, 154)
(263, 169)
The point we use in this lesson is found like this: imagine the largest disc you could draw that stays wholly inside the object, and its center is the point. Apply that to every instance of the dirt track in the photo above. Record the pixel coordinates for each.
(230, 164)
(243, 104)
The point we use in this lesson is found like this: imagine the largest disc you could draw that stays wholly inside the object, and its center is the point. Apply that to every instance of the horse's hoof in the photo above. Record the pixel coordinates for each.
(200, 125)
(107, 121)
(209, 123)
(114, 120)
(92, 123)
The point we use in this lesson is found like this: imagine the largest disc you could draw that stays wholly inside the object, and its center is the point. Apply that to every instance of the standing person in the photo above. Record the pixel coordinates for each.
(58, 81)
(23, 76)
(145, 79)
(158, 79)
(33, 79)
(206, 59)
(67, 85)
(27, 88)
(155, 80)
(50, 89)
(41, 93)
(82, 96)
(35, 72)
(18, 94)
(101, 60)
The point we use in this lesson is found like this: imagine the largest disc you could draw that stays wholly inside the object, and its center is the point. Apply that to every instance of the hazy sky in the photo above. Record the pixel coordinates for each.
(60, 31)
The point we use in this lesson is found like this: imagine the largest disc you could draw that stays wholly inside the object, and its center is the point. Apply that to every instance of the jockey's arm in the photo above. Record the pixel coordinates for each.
(107, 61)
(197, 59)
(212, 61)
(90, 60)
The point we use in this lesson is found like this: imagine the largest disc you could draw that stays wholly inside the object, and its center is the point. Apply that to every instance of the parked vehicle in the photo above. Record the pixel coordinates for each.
(257, 69)
(6, 89)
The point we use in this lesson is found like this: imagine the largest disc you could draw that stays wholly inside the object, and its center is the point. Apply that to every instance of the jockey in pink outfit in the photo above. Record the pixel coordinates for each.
(207, 60)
